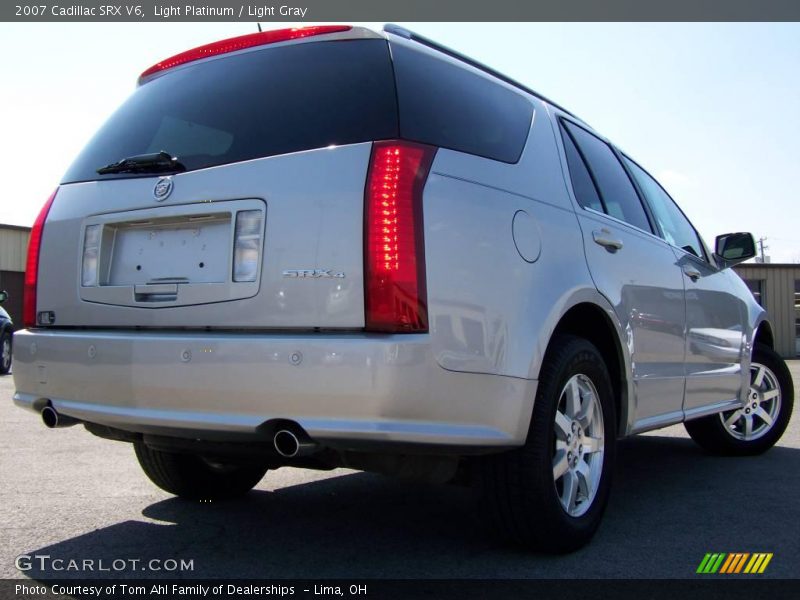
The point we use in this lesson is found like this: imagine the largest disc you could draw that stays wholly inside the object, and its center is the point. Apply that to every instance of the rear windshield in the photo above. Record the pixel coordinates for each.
(252, 105)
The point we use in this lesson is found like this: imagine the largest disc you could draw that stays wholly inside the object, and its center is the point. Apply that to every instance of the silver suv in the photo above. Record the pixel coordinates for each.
(329, 247)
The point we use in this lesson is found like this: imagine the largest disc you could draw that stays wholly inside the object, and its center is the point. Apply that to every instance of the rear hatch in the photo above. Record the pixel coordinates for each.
(263, 228)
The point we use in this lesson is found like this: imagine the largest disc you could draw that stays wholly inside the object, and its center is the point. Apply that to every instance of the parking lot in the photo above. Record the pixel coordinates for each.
(72, 496)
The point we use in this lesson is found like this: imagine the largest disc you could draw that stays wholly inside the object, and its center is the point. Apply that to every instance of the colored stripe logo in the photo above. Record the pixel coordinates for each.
(734, 562)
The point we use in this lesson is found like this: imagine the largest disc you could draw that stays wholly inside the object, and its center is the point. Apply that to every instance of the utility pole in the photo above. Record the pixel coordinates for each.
(762, 247)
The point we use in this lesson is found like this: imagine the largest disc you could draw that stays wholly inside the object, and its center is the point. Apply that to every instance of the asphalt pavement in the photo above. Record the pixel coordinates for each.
(73, 497)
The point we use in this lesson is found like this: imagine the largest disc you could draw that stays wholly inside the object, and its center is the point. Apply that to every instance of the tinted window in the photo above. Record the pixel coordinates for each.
(675, 227)
(455, 108)
(616, 190)
(251, 105)
(582, 185)
(756, 287)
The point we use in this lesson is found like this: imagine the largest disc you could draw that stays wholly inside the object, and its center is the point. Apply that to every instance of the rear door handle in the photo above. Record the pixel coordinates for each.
(603, 238)
(157, 292)
(692, 273)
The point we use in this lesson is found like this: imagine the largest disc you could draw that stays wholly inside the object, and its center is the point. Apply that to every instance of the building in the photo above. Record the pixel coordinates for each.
(777, 288)
(13, 252)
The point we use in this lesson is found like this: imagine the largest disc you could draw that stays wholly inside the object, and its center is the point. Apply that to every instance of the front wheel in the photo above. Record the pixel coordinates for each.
(196, 478)
(757, 425)
(550, 494)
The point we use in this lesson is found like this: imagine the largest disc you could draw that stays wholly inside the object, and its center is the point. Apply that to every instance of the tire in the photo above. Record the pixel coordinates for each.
(769, 408)
(6, 342)
(521, 492)
(194, 478)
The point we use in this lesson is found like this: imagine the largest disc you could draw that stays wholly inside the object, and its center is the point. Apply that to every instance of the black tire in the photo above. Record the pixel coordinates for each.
(194, 478)
(519, 488)
(5, 358)
(714, 437)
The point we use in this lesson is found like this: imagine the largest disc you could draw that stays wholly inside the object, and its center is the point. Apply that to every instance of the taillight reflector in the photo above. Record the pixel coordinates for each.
(395, 293)
(247, 245)
(32, 265)
(241, 42)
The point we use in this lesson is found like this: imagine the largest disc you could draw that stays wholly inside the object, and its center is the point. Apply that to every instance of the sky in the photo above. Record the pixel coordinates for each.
(712, 110)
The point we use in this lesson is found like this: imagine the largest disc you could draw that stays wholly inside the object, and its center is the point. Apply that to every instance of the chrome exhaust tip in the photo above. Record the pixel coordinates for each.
(289, 445)
(52, 419)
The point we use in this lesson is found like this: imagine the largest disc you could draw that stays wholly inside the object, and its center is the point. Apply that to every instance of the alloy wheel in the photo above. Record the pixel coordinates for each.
(755, 418)
(5, 354)
(579, 445)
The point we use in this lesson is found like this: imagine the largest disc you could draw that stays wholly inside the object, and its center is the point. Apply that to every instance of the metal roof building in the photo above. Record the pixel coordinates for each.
(13, 251)
(777, 288)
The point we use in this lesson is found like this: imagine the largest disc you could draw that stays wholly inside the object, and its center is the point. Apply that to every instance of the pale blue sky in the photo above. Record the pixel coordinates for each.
(710, 109)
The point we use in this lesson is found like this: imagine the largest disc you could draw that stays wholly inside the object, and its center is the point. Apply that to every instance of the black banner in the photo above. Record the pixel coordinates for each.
(732, 588)
(405, 10)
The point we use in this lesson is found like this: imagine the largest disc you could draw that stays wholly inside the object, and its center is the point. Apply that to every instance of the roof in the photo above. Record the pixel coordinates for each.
(755, 265)
(14, 227)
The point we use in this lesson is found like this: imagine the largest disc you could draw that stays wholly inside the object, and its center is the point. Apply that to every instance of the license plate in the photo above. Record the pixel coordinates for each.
(196, 251)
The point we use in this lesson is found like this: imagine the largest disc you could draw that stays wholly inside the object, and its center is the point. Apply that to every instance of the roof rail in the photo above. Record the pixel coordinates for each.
(415, 37)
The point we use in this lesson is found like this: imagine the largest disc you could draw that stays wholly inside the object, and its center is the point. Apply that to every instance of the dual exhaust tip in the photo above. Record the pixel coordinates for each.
(289, 444)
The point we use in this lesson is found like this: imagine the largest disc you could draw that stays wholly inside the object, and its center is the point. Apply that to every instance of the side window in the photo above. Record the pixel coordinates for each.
(617, 193)
(458, 108)
(676, 228)
(585, 192)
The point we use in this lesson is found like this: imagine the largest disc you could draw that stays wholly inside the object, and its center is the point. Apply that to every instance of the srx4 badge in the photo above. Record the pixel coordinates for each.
(312, 274)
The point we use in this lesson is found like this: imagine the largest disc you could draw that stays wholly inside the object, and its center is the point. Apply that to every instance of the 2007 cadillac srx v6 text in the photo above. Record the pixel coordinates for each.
(330, 247)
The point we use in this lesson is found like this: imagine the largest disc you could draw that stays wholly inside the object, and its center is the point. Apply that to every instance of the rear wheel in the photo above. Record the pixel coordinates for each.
(550, 494)
(5, 352)
(758, 424)
(196, 478)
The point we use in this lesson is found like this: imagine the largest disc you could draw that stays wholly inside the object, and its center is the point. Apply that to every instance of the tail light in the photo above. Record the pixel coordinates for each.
(32, 265)
(241, 42)
(394, 253)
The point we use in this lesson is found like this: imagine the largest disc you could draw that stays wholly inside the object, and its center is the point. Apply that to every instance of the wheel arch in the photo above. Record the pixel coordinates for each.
(763, 334)
(591, 317)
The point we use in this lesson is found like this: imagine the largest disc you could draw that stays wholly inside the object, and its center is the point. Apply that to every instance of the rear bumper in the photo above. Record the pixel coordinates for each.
(226, 386)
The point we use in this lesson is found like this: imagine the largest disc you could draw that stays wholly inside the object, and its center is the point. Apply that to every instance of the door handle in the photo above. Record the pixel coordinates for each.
(692, 273)
(603, 238)
(158, 292)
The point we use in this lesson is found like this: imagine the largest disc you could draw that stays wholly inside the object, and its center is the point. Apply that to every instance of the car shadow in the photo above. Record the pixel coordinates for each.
(670, 505)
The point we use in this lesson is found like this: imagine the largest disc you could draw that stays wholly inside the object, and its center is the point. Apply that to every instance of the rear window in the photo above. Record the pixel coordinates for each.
(252, 105)
(453, 107)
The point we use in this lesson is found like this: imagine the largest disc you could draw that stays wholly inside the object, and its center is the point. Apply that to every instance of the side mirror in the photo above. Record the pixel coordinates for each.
(3, 296)
(733, 248)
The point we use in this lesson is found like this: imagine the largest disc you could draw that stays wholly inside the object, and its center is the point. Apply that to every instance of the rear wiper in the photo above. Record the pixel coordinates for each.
(158, 162)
